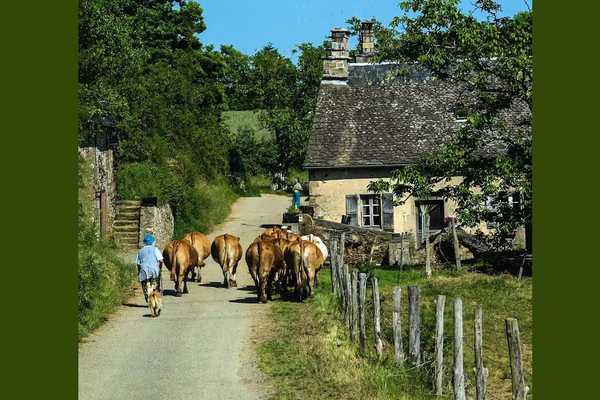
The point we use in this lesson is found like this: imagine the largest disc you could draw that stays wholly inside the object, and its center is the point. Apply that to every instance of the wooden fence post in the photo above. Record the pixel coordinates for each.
(333, 259)
(427, 246)
(377, 317)
(439, 345)
(342, 247)
(397, 326)
(459, 375)
(481, 372)
(519, 390)
(455, 243)
(348, 290)
(414, 324)
(362, 293)
(354, 325)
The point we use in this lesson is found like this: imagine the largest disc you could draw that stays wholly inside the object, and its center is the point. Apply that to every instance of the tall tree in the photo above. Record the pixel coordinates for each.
(491, 56)
(291, 120)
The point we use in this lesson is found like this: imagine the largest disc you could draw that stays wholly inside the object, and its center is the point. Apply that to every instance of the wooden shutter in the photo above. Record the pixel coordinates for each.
(387, 206)
(352, 209)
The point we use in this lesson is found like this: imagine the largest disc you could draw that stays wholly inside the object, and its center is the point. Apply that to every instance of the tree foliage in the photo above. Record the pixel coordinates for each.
(490, 56)
(144, 74)
(285, 94)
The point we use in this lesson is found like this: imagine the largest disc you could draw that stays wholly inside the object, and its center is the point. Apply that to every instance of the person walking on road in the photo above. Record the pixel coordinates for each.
(297, 193)
(149, 264)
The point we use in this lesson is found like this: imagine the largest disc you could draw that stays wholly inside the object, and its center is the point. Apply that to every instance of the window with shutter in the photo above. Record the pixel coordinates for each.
(352, 209)
(387, 200)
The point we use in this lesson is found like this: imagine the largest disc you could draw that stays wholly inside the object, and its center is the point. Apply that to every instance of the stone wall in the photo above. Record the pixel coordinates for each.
(161, 219)
(100, 163)
(359, 241)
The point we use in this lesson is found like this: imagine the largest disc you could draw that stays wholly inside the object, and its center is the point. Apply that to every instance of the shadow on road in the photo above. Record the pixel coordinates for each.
(246, 300)
(169, 292)
(248, 288)
(267, 226)
(135, 305)
(213, 284)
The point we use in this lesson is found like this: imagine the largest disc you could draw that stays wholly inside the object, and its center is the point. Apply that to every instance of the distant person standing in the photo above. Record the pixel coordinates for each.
(297, 193)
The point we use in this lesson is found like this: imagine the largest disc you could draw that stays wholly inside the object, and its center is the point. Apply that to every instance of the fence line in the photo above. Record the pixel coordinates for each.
(350, 288)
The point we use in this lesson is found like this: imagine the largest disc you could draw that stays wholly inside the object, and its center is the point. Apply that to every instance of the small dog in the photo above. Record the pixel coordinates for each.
(154, 300)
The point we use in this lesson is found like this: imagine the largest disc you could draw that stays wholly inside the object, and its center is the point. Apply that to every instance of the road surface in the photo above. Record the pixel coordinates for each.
(199, 348)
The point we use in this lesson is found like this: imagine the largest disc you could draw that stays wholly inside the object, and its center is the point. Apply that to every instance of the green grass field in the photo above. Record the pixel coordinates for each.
(309, 355)
(239, 119)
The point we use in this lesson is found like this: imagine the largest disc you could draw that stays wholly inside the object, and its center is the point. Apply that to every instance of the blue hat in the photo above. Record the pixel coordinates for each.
(149, 239)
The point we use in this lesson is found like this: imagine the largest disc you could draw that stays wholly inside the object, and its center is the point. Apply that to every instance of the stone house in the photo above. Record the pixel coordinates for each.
(370, 120)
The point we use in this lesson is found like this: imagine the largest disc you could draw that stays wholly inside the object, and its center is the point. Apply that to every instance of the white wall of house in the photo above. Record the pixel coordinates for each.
(328, 190)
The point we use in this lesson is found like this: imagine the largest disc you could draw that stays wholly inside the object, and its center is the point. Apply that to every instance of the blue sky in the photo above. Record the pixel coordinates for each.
(250, 24)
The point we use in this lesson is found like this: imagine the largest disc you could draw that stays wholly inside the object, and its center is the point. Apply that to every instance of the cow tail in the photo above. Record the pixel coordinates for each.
(301, 266)
(305, 264)
(259, 253)
(173, 254)
(226, 259)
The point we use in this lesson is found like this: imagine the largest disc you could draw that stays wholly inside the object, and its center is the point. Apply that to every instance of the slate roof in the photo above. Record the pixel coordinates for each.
(365, 123)
(381, 120)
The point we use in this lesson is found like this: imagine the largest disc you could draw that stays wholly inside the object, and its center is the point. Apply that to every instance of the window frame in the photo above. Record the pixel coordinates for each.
(373, 200)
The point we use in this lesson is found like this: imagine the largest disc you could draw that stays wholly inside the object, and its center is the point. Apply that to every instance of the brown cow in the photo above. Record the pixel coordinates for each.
(201, 244)
(303, 260)
(179, 257)
(252, 260)
(227, 252)
(265, 261)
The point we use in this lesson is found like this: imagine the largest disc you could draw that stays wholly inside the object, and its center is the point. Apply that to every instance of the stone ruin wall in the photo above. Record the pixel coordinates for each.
(101, 164)
(161, 219)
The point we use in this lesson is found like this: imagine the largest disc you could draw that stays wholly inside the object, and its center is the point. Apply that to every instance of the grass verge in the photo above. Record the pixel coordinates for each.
(105, 281)
(308, 353)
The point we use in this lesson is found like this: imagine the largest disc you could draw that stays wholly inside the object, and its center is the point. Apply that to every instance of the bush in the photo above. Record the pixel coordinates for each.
(105, 281)
(197, 205)
(104, 278)
(202, 206)
(139, 180)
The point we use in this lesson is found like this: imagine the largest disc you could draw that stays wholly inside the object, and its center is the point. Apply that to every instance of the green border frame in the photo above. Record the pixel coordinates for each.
(39, 199)
(38, 165)
(566, 276)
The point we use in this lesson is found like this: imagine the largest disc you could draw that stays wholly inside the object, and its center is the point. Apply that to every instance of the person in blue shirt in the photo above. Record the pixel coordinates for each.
(149, 262)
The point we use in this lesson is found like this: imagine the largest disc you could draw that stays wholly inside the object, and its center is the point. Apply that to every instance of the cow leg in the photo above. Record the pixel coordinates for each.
(226, 279)
(270, 278)
(185, 288)
(233, 270)
(180, 278)
(262, 295)
(199, 270)
(316, 279)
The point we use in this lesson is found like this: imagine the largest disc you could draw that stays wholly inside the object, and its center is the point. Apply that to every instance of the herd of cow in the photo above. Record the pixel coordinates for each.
(277, 258)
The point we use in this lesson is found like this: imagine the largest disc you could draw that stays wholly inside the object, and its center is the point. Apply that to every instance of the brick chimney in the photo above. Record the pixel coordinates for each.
(335, 63)
(366, 42)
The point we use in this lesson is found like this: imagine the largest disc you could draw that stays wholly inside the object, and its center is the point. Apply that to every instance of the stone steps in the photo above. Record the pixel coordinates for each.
(126, 226)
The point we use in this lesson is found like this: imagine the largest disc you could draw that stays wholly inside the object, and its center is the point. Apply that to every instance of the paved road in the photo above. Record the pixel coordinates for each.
(199, 347)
